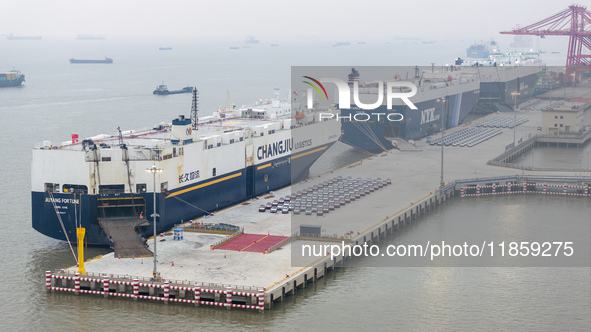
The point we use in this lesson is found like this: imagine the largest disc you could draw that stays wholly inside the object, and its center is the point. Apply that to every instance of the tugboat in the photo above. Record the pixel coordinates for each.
(162, 89)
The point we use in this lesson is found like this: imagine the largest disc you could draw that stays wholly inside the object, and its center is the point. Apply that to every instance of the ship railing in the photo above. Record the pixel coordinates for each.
(133, 155)
(281, 243)
(520, 178)
(174, 282)
(532, 168)
(227, 238)
(577, 136)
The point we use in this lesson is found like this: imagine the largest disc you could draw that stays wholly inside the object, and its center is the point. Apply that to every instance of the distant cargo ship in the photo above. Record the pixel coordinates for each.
(342, 44)
(251, 40)
(106, 60)
(165, 48)
(511, 58)
(163, 90)
(90, 37)
(521, 41)
(13, 37)
(481, 50)
(11, 78)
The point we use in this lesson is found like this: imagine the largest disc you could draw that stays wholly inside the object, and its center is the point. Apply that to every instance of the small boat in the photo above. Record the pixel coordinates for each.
(13, 37)
(90, 37)
(251, 40)
(342, 44)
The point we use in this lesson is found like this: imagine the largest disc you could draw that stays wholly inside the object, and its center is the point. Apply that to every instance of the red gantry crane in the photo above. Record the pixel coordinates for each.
(574, 22)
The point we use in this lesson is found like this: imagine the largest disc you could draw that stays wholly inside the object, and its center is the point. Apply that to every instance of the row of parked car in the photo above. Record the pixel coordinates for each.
(326, 196)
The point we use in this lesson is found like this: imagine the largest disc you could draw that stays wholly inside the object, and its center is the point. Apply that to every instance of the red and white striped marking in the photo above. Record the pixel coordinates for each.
(229, 292)
(213, 291)
(136, 288)
(197, 295)
(62, 289)
(166, 290)
(543, 187)
(229, 296)
(261, 305)
(77, 282)
(245, 294)
(48, 280)
(106, 285)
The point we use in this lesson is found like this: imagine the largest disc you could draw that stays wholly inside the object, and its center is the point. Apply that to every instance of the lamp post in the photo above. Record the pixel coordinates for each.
(514, 94)
(154, 170)
(574, 77)
(442, 101)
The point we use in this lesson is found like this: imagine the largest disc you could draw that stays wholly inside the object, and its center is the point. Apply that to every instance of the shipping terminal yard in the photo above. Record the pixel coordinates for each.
(251, 265)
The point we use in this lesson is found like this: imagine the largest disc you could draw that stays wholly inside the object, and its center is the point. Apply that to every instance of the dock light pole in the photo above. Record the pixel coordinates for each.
(574, 77)
(514, 94)
(154, 170)
(442, 101)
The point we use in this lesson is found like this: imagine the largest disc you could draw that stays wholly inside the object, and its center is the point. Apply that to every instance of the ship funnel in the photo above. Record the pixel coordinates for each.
(181, 130)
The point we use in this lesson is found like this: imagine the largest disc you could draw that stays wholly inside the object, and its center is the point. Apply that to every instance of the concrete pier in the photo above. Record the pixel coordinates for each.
(193, 273)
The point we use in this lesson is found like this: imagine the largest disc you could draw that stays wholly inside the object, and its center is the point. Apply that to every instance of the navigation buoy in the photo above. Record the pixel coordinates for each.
(172, 263)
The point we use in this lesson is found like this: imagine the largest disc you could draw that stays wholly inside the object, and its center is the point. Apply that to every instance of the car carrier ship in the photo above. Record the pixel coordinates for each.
(445, 97)
(461, 91)
(206, 164)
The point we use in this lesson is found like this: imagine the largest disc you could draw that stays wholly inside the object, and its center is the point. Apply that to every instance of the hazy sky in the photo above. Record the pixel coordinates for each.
(272, 20)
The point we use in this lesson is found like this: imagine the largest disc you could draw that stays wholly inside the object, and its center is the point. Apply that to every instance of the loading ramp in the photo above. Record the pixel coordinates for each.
(126, 242)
